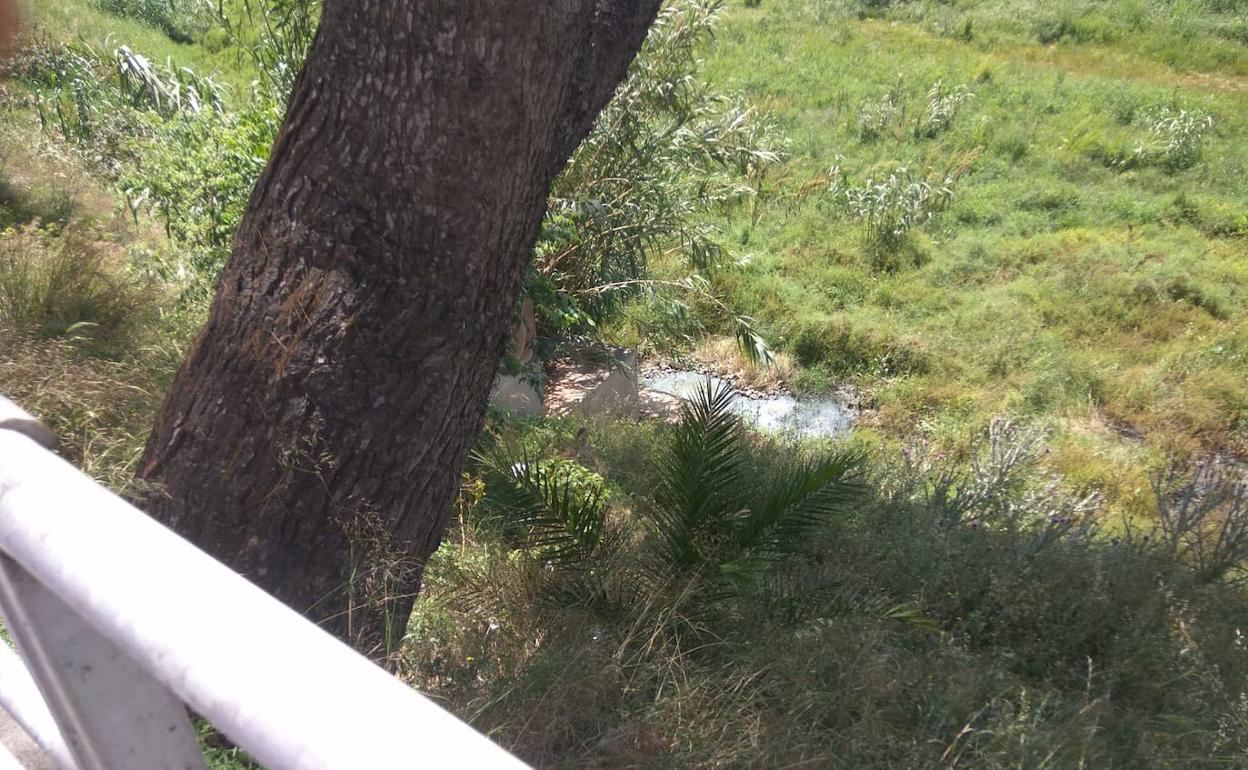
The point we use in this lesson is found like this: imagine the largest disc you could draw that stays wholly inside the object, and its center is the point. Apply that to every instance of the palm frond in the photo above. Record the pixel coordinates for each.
(541, 507)
(802, 497)
(752, 344)
(701, 476)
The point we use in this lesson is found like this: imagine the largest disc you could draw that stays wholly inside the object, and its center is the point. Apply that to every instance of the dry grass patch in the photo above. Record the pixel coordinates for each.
(723, 355)
(100, 409)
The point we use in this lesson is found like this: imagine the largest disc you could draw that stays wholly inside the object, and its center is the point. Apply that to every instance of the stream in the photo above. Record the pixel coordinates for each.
(801, 418)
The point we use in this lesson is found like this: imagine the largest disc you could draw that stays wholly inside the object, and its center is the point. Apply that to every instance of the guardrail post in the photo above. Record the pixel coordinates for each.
(20, 696)
(111, 712)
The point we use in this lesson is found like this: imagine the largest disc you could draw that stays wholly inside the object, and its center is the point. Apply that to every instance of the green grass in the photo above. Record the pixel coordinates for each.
(1072, 278)
(83, 21)
(1079, 651)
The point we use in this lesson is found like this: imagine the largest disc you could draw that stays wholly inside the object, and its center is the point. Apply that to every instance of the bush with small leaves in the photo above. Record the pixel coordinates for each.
(666, 151)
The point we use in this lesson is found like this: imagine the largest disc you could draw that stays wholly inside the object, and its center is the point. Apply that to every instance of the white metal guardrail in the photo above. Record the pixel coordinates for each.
(119, 622)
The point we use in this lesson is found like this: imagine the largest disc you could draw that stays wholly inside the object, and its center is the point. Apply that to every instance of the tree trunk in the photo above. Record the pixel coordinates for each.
(314, 437)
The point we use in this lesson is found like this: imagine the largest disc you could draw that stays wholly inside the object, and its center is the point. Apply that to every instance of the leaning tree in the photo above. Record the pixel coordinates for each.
(314, 437)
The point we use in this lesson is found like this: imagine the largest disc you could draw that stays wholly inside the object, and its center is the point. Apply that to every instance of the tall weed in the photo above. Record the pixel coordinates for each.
(1176, 137)
(888, 209)
(65, 285)
(939, 110)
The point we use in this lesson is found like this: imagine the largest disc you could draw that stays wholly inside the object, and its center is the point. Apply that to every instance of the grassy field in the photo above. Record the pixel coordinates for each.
(1071, 278)
(91, 24)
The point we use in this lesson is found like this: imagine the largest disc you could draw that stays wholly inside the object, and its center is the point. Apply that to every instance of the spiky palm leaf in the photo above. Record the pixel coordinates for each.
(711, 515)
(543, 507)
(797, 501)
(701, 472)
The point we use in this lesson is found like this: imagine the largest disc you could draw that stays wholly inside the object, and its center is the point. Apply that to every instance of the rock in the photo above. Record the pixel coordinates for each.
(616, 395)
(516, 396)
(511, 393)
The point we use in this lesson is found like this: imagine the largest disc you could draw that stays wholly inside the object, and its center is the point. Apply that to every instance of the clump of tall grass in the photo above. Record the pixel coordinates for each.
(1176, 137)
(108, 106)
(161, 135)
(65, 80)
(878, 117)
(167, 91)
(72, 323)
(889, 208)
(100, 409)
(64, 285)
(939, 109)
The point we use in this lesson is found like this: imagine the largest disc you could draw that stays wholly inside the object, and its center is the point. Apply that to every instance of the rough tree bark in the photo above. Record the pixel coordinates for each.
(314, 437)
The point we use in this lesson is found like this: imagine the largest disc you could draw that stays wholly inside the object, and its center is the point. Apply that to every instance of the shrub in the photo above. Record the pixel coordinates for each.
(890, 208)
(667, 150)
(1051, 30)
(1176, 137)
(939, 110)
(868, 8)
(993, 490)
(198, 180)
(70, 98)
(1013, 143)
(1203, 519)
(162, 134)
(709, 521)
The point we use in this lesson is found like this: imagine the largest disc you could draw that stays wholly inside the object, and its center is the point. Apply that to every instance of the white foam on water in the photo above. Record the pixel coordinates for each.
(812, 418)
